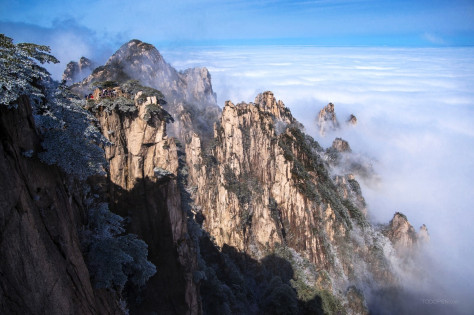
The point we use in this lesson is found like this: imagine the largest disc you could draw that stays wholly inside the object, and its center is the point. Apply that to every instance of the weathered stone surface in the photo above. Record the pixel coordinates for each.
(263, 204)
(143, 186)
(404, 237)
(42, 270)
(341, 145)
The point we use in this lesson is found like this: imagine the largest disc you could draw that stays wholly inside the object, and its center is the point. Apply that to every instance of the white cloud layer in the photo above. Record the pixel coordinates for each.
(415, 109)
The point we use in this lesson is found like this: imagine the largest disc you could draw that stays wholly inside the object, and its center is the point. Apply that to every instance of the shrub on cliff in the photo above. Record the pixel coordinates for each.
(19, 71)
(280, 298)
(114, 258)
(70, 138)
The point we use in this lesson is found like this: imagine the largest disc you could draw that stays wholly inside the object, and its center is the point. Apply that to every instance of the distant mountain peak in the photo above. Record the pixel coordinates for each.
(77, 70)
(352, 120)
(327, 120)
(269, 103)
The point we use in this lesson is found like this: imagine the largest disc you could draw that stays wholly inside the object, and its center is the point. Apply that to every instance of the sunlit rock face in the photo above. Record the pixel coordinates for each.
(401, 233)
(404, 237)
(143, 171)
(327, 120)
(258, 188)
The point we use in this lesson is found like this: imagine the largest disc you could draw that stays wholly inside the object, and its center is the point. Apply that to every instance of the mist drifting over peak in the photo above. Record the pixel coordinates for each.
(415, 121)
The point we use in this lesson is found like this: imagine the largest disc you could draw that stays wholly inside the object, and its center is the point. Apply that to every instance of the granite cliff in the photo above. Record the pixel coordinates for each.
(241, 210)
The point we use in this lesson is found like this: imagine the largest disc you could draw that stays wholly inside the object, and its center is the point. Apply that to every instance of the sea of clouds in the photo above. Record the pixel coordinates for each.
(415, 111)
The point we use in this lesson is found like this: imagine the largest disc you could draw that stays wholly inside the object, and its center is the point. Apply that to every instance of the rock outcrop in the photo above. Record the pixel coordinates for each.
(327, 120)
(403, 236)
(143, 175)
(341, 157)
(191, 100)
(258, 189)
(77, 71)
(341, 145)
(42, 269)
(352, 120)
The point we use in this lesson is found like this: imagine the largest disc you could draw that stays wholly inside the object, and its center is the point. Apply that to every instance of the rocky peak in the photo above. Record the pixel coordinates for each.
(327, 120)
(352, 120)
(268, 103)
(423, 235)
(189, 95)
(136, 50)
(402, 234)
(341, 145)
(76, 71)
(199, 86)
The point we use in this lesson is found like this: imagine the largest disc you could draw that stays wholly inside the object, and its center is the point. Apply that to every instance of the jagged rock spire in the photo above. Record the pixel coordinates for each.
(327, 120)
(76, 71)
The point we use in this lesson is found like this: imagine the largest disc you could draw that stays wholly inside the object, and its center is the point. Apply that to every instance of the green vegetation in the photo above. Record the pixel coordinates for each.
(239, 188)
(355, 187)
(280, 298)
(71, 139)
(114, 258)
(309, 171)
(122, 104)
(105, 84)
(355, 213)
(19, 72)
(132, 87)
(312, 300)
(156, 110)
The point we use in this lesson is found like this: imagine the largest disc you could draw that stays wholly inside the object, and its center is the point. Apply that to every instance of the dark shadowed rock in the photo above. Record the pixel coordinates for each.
(42, 268)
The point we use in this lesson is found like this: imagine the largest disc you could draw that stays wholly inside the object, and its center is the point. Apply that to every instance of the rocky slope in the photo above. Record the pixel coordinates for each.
(42, 268)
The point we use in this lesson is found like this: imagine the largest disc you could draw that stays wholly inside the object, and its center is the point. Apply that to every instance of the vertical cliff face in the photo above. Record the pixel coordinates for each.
(262, 184)
(42, 269)
(143, 187)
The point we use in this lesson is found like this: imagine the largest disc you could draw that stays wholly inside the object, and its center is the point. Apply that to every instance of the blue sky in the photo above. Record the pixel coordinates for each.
(211, 22)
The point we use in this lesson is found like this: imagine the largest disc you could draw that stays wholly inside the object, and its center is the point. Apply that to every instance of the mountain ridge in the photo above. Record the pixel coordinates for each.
(241, 210)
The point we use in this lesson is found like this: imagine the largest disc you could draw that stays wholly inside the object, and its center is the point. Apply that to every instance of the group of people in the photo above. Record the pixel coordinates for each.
(108, 93)
(105, 93)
